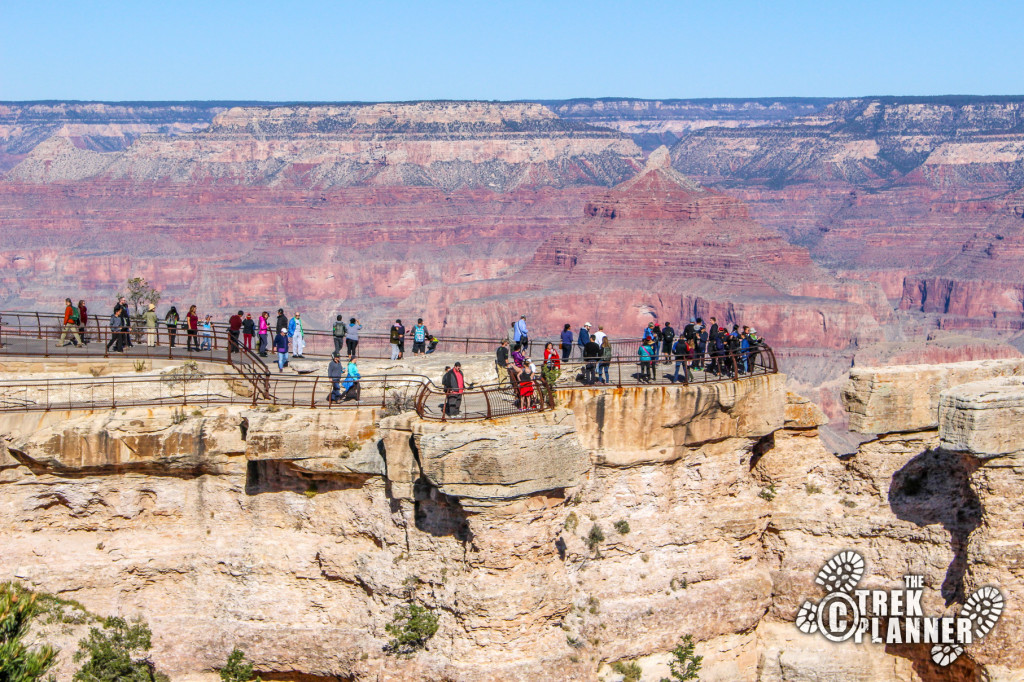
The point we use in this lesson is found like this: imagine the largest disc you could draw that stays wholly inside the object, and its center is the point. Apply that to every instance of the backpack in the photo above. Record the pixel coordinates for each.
(340, 329)
(76, 317)
(419, 333)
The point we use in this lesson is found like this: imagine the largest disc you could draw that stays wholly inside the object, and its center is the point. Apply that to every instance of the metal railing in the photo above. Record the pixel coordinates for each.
(192, 389)
(484, 402)
(626, 371)
(38, 335)
(52, 340)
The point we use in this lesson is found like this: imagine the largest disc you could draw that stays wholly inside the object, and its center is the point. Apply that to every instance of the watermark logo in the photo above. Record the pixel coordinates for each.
(893, 616)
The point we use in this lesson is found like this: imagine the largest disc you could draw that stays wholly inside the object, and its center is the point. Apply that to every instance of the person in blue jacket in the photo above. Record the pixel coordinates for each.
(566, 342)
(584, 337)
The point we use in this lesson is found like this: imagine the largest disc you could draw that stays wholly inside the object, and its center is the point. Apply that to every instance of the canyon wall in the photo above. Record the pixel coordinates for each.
(296, 538)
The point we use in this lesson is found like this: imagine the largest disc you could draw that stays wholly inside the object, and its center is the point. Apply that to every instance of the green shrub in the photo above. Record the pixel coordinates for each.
(684, 665)
(117, 653)
(812, 489)
(18, 663)
(411, 627)
(768, 493)
(622, 527)
(571, 521)
(595, 536)
(236, 669)
(630, 670)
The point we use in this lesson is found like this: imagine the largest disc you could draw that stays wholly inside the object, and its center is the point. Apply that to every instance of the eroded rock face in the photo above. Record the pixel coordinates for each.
(715, 529)
(983, 418)
(906, 397)
(632, 424)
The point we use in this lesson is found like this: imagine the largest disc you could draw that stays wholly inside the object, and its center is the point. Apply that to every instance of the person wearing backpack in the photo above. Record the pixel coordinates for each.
(71, 320)
(419, 338)
(668, 337)
(171, 320)
(656, 341)
(646, 355)
(338, 332)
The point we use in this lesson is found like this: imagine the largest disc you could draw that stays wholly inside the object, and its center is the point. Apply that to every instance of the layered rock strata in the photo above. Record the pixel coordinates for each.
(283, 545)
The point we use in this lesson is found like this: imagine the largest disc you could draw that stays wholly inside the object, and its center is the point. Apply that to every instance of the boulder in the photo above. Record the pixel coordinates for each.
(906, 397)
(486, 463)
(983, 418)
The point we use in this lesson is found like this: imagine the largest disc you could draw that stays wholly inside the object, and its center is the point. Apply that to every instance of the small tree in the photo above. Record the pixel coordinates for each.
(412, 626)
(140, 293)
(684, 665)
(116, 653)
(236, 669)
(18, 663)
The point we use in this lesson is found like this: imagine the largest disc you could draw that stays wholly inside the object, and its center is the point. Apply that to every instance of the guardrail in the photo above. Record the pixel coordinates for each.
(183, 389)
(319, 342)
(45, 341)
(484, 402)
(397, 392)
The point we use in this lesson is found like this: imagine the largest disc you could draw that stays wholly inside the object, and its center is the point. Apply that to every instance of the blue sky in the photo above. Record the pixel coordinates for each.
(379, 50)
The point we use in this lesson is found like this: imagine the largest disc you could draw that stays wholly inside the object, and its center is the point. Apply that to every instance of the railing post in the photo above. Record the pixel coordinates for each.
(312, 398)
(39, 326)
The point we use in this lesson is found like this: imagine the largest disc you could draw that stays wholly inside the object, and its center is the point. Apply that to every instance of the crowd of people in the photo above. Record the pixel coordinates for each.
(699, 346)
(707, 347)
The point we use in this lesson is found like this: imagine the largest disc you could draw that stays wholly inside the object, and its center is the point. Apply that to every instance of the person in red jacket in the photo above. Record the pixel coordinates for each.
(234, 327)
(70, 325)
(83, 320)
(193, 328)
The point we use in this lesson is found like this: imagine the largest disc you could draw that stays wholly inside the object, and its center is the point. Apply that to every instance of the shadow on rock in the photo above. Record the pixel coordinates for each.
(935, 487)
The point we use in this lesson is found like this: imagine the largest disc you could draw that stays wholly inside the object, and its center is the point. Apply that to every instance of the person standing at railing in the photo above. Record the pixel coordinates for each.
(115, 327)
(566, 342)
(171, 320)
(606, 360)
(454, 385)
(338, 331)
(83, 321)
(149, 322)
(600, 335)
(295, 331)
(127, 325)
(248, 331)
(744, 366)
(264, 333)
(70, 326)
(702, 347)
(281, 323)
(591, 356)
(522, 334)
(647, 356)
(584, 337)
(419, 338)
(192, 319)
(683, 350)
(527, 397)
(281, 348)
(397, 340)
(501, 360)
(352, 336)
(668, 337)
(234, 329)
(207, 334)
(124, 339)
(334, 373)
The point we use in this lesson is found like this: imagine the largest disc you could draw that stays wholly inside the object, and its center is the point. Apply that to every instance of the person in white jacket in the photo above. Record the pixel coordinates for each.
(297, 337)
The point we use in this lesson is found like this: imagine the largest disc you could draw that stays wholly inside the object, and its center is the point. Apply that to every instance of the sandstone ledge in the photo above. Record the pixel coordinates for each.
(906, 398)
(983, 418)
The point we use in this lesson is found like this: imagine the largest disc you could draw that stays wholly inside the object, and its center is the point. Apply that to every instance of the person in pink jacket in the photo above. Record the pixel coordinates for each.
(263, 331)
